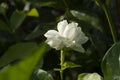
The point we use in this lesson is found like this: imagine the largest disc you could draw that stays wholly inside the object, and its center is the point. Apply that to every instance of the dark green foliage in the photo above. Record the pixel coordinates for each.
(17, 52)
(111, 63)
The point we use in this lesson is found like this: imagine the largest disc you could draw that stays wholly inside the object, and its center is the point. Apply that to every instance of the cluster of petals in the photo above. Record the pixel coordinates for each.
(68, 35)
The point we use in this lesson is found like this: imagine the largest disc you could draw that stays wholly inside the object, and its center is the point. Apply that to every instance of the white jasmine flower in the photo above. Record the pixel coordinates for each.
(68, 35)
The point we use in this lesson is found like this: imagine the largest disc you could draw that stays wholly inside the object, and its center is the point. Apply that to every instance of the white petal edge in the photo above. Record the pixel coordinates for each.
(61, 26)
(70, 31)
(54, 39)
(51, 33)
(55, 43)
(80, 37)
(78, 47)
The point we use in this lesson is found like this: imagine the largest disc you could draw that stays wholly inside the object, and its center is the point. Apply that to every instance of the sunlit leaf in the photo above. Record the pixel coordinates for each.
(33, 12)
(111, 63)
(89, 76)
(24, 68)
(16, 52)
(87, 18)
(17, 19)
(69, 65)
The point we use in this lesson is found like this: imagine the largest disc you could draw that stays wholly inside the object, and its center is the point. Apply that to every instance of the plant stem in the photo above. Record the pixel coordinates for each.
(109, 19)
(61, 63)
(61, 74)
(66, 4)
(110, 23)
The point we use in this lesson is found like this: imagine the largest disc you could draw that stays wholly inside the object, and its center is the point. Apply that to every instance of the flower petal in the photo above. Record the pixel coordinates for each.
(80, 37)
(67, 42)
(61, 26)
(70, 31)
(55, 43)
(54, 39)
(68, 35)
(51, 33)
(78, 47)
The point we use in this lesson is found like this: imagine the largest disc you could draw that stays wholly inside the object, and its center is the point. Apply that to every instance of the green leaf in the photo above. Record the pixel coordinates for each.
(87, 18)
(33, 12)
(108, 2)
(41, 75)
(111, 63)
(45, 4)
(17, 19)
(24, 68)
(16, 52)
(39, 30)
(89, 76)
(103, 1)
(69, 65)
(35, 33)
(2, 10)
(3, 26)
